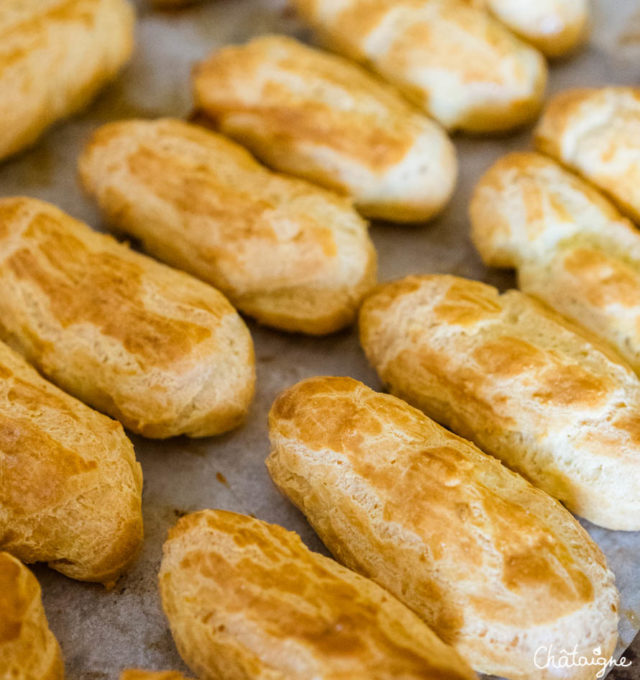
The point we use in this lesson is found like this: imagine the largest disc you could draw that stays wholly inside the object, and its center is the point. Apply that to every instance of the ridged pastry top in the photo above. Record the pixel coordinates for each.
(28, 649)
(149, 345)
(453, 60)
(597, 133)
(444, 526)
(515, 377)
(247, 599)
(324, 118)
(70, 486)
(283, 250)
(555, 27)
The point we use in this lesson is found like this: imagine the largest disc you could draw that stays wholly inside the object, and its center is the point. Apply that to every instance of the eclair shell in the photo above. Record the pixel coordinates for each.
(555, 27)
(293, 256)
(572, 248)
(454, 61)
(55, 55)
(246, 599)
(523, 383)
(494, 565)
(155, 348)
(70, 486)
(28, 649)
(324, 118)
(596, 132)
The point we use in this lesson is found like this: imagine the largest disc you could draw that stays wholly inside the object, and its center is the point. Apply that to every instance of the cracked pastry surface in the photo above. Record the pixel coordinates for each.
(288, 253)
(545, 396)
(151, 346)
(319, 116)
(247, 599)
(70, 486)
(496, 567)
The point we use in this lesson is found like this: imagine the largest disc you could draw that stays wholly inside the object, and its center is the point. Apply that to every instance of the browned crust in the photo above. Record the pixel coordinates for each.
(517, 378)
(288, 253)
(70, 486)
(247, 599)
(318, 116)
(594, 132)
(42, 42)
(558, 114)
(467, 544)
(160, 351)
(28, 649)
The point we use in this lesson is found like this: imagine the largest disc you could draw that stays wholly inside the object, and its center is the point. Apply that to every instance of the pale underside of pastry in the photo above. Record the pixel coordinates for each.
(555, 27)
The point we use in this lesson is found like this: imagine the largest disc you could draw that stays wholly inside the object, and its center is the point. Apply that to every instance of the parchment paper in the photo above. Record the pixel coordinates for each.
(103, 632)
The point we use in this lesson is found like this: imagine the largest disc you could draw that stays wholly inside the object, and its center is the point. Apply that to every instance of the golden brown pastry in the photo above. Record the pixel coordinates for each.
(571, 247)
(596, 132)
(520, 381)
(55, 55)
(495, 566)
(246, 599)
(28, 649)
(136, 674)
(456, 62)
(160, 351)
(70, 486)
(290, 254)
(555, 27)
(321, 117)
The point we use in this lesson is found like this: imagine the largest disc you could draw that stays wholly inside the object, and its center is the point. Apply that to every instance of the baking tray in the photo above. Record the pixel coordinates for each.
(103, 632)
